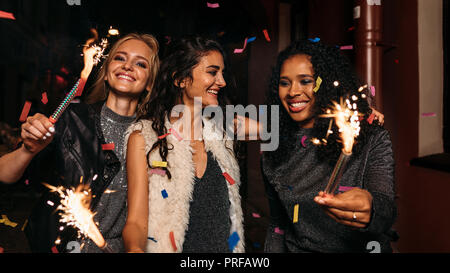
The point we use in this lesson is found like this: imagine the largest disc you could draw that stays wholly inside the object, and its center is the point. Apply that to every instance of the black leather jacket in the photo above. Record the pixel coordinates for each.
(75, 152)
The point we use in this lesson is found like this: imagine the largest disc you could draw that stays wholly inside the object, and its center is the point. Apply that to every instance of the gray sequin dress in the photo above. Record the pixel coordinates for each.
(111, 212)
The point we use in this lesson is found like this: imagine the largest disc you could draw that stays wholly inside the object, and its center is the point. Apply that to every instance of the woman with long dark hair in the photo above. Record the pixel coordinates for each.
(183, 193)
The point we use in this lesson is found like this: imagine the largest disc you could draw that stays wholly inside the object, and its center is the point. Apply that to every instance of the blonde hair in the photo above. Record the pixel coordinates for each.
(99, 90)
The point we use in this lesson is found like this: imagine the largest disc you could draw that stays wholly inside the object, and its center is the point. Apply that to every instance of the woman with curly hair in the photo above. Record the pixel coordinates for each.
(307, 78)
(183, 194)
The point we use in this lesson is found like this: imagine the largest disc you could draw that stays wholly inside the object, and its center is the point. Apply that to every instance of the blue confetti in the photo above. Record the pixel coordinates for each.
(153, 239)
(164, 194)
(233, 240)
(315, 40)
(251, 39)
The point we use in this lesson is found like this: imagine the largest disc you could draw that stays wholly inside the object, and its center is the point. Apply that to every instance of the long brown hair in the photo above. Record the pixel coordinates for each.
(100, 89)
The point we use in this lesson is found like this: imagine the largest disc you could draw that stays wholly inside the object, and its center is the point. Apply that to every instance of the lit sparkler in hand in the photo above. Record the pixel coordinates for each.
(93, 54)
(346, 117)
(75, 212)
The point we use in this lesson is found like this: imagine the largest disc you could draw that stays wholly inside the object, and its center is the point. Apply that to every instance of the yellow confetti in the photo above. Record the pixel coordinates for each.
(318, 83)
(7, 222)
(295, 214)
(24, 225)
(162, 164)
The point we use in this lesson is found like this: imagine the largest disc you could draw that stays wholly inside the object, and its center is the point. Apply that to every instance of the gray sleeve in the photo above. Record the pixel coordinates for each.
(379, 181)
(274, 242)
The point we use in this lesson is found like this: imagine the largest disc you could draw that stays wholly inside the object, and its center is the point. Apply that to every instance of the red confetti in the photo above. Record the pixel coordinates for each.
(351, 28)
(266, 34)
(172, 240)
(2, 250)
(44, 98)
(229, 178)
(163, 136)
(25, 111)
(7, 15)
(54, 249)
(397, 61)
(371, 118)
(108, 147)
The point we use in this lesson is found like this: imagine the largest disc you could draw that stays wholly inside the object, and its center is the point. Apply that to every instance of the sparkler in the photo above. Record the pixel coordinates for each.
(346, 117)
(93, 54)
(75, 212)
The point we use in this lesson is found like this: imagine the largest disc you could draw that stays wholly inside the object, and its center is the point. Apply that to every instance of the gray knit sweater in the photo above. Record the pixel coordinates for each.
(299, 177)
(111, 212)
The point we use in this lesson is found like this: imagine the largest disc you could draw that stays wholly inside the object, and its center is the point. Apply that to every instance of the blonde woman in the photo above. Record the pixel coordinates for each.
(75, 146)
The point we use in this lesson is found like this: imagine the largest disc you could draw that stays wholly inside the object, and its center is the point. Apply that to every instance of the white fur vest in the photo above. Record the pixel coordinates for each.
(169, 217)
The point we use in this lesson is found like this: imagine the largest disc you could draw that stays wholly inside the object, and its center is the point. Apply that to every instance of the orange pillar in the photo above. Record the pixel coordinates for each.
(368, 18)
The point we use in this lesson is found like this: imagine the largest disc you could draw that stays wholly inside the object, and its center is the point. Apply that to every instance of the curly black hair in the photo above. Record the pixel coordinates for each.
(180, 58)
(332, 67)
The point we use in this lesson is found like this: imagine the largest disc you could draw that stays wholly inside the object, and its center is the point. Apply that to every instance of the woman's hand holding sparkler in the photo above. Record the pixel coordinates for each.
(352, 208)
(37, 132)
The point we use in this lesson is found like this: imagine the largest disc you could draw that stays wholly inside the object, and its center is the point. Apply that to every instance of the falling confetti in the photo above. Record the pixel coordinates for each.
(233, 241)
(164, 194)
(162, 164)
(172, 241)
(25, 111)
(295, 216)
(428, 114)
(304, 138)
(108, 146)
(256, 215)
(7, 222)
(158, 172)
(344, 188)
(277, 230)
(228, 178)
(266, 35)
(212, 5)
(347, 47)
(44, 98)
(7, 15)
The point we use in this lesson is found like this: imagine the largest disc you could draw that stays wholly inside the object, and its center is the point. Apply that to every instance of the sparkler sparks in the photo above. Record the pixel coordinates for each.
(346, 117)
(74, 211)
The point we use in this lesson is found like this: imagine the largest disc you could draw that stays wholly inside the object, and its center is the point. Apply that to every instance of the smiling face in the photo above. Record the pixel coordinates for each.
(295, 89)
(128, 72)
(207, 80)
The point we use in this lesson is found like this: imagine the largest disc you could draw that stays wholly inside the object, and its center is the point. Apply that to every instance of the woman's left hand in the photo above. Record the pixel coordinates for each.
(352, 208)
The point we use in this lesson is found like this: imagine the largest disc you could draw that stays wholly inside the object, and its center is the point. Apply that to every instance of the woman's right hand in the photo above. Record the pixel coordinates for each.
(37, 132)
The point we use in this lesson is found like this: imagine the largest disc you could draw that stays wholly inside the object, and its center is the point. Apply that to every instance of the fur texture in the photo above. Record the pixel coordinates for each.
(172, 214)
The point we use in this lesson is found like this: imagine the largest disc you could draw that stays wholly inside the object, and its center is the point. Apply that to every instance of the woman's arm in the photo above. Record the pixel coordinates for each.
(136, 227)
(37, 132)
(372, 208)
(246, 128)
(274, 242)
